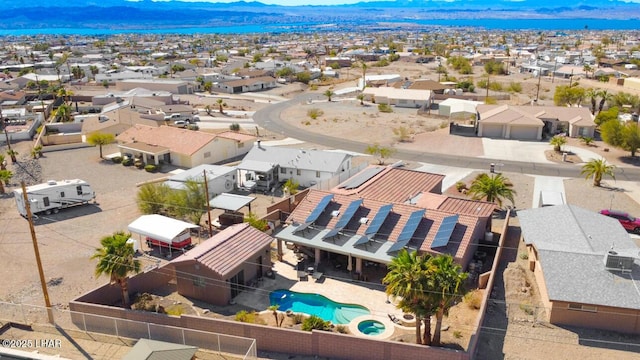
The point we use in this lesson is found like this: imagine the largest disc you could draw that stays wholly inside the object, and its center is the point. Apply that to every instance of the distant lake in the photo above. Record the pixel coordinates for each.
(492, 24)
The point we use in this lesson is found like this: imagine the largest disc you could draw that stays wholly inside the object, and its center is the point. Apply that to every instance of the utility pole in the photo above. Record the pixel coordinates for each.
(4, 128)
(538, 90)
(37, 252)
(553, 74)
(206, 195)
(487, 94)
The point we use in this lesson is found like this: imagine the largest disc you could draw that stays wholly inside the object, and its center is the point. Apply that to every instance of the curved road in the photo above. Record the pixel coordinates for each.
(269, 118)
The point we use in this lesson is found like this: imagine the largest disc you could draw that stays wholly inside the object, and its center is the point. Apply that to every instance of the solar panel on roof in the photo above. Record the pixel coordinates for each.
(408, 230)
(361, 178)
(377, 221)
(348, 214)
(411, 225)
(322, 204)
(444, 231)
(398, 245)
(362, 240)
(331, 233)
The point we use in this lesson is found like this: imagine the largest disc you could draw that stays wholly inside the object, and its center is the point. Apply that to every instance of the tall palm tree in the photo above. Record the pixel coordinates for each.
(493, 188)
(116, 259)
(596, 169)
(64, 112)
(12, 153)
(604, 97)
(592, 94)
(449, 280)
(221, 105)
(408, 279)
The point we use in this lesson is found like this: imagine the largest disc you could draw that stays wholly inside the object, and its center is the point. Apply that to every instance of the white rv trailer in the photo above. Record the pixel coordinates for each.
(54, 195)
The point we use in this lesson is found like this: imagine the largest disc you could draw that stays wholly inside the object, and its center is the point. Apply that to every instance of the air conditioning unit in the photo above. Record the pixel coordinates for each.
(615, 262)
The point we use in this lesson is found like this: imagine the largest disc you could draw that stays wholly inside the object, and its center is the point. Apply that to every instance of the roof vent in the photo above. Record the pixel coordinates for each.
(615, 262)
(51, 182)
(335, 213)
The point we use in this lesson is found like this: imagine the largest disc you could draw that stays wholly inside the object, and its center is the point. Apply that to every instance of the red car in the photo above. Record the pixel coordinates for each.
(627, 221)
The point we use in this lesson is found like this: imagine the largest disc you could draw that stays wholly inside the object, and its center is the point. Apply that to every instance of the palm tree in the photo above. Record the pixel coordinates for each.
(329, 94)
(596, 169)
(604, 97)
(100, 139)
(64, 113)
(5, 176)
(493, 188)
(408, 279)
(116, 259)
(364, 75)
(12, 153)
(361, 98)
(557, 142)
(592, 94)
(221, 105)
(207, 109)
(449, 279)
(3, 163)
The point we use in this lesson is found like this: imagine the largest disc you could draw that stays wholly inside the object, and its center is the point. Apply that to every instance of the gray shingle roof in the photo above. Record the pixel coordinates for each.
(572, 243)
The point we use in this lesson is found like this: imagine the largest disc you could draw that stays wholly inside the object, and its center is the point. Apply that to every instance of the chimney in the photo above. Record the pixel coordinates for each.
(259, 144)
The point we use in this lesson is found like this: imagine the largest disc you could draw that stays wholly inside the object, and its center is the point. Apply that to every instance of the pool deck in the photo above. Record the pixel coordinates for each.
(335, 285)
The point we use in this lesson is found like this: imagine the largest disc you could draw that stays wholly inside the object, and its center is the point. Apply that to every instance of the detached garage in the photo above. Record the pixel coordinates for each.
(505, 122)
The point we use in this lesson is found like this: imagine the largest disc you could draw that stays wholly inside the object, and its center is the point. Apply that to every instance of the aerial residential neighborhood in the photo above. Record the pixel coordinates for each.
(383, 195)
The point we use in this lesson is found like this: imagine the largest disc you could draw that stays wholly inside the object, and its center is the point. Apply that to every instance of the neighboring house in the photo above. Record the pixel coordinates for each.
(220, 178)
(160, 97)
(458, 107)
(381, 210)
(398, 97)
(181, 147)
(267, 166)
(221, 267)
(112, 77)
(174, 86)
(431, 85)
(586, 267)
(247, 85)
(531, 122)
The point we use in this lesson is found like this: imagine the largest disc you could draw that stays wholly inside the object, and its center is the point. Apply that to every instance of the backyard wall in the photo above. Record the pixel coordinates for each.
(101, 318)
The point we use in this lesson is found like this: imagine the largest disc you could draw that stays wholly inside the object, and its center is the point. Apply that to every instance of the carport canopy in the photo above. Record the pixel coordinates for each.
(257, 166)
(231, 202)
(159, 227)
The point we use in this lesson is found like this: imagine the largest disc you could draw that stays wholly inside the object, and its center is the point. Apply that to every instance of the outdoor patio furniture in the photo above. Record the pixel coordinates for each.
(317, 275)
(302, 275)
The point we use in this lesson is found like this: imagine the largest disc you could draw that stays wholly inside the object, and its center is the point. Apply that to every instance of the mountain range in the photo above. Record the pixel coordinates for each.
(128, 14)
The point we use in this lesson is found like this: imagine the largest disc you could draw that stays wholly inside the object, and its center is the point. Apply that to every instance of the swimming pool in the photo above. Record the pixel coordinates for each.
(314, 304)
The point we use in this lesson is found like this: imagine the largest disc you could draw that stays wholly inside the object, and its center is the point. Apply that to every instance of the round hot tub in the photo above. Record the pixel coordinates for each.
(371, 327)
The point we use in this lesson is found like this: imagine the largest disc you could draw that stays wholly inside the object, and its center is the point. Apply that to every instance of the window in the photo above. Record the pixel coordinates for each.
(581, 307)
(317, 174)
(199, 281)
(79, 189)
(45, 200)
(61, 194)
(298, 172)
(207, 154)
(283, 170)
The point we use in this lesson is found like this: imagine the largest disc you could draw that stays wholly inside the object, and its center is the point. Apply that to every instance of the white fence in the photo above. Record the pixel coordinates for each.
(227, 346)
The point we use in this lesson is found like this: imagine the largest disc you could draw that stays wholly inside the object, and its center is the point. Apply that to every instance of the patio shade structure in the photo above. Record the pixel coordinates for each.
(231, 202)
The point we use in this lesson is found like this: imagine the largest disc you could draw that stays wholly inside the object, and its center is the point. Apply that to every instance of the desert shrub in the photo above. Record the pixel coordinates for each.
(127, 162)
(524, 256)
(298, 318)
(174, 310)
(527, 308)
(315, 323)
(193, 127)
(385, 108)
(315, 113)
(457, 334)
(150, 168)
(116, 159)
(249, 317)
(473, 299)
(461, 185)
(342, 329)
(234, 127)
(515, 87)
(307, 123)
(495, 86)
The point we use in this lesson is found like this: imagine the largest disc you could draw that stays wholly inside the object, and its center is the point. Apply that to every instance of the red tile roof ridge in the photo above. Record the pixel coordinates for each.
(213, 242)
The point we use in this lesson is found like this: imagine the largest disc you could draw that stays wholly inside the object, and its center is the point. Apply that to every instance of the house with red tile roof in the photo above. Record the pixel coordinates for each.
(218, 269)
(368, 220)
(182, 147)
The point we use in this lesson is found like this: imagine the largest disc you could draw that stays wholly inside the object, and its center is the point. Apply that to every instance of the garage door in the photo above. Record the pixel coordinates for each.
(492, 130)
(524, 133)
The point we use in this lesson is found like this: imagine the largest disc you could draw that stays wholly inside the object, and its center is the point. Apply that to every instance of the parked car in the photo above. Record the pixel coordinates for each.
(181, 123)
(627, 221)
